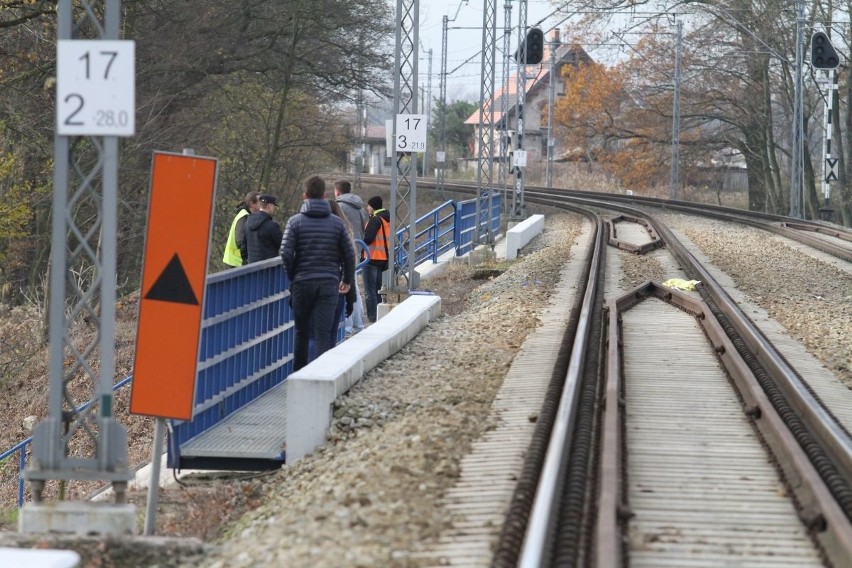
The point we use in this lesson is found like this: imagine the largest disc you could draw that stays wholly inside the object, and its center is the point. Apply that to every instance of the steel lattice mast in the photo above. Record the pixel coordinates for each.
(428, 108)
(551, 103)
(75, 443)
(404, 175)
(485, 152)
(798, 149)
(442, 146)
(675, 178)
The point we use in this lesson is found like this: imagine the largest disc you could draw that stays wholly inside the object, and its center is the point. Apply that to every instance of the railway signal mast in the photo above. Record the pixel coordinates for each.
(824, 56)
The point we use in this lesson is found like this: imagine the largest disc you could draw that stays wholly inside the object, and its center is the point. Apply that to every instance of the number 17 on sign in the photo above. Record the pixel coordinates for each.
(411, 132)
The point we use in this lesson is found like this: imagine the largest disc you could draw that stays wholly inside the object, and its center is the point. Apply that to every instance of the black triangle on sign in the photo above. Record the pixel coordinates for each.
(173, 285)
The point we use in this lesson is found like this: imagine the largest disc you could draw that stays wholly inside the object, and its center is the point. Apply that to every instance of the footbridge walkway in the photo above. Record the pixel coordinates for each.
(251, 411)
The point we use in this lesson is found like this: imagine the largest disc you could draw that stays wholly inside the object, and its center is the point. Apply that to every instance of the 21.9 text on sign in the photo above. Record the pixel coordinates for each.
(411, 132)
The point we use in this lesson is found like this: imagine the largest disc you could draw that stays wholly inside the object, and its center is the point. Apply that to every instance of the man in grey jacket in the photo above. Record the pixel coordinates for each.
(356, 213)
(353, 207)
(320, 262)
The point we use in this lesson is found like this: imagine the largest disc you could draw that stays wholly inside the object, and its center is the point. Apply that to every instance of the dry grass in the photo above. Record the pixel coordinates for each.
(202, 506)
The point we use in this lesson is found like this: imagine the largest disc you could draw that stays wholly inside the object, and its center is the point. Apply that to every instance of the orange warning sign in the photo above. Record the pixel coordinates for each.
(173, 279)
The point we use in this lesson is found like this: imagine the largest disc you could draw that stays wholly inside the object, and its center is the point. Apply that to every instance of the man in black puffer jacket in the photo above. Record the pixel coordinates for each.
(262, 233)
(316, 245)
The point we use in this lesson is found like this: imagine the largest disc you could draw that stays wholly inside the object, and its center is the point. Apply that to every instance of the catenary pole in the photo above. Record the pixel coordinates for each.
(675, 180)
(75, 443)
(400, 278)
(505, 140)
(798, 150)
(428, 110)
(485, 142)
(518, 205)
(551, 101)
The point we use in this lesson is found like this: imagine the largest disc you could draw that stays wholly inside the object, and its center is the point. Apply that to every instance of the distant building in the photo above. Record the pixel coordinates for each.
(536, 103)
(373, 149)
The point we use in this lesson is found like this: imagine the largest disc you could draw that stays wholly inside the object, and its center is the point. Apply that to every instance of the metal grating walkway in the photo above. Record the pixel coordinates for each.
(256, 431)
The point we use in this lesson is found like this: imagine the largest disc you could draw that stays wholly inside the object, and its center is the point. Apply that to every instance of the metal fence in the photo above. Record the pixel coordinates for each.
(247, 338)
(247, 333)
(465, 228)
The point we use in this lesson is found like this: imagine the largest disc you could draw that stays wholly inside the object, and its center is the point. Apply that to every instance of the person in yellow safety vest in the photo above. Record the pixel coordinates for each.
(232, 255)
(377, 236)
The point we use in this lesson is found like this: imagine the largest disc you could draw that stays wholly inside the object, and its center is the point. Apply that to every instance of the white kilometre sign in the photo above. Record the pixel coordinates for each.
(411, 132)
(95, 87)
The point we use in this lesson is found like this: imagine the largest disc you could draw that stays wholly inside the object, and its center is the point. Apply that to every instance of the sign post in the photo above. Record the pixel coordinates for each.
(173, 276)
(172, 298)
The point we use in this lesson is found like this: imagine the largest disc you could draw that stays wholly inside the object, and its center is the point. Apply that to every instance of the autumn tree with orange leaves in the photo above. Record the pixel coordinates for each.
(602, 124)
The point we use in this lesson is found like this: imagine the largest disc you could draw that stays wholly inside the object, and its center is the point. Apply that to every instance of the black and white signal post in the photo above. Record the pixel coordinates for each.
(824, 56)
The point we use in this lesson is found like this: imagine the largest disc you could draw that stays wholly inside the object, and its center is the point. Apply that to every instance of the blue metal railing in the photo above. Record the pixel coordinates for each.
(247, 333)
(434, 235)
(247, 340)
(466, 222)
(21, 447)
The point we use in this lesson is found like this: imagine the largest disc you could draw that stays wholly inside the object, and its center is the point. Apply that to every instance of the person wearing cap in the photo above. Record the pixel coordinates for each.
(319, 259)
(262, 233)
(377, 237)
(233, 256)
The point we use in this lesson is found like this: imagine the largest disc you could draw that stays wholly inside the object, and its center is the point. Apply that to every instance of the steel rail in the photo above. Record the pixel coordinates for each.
(817, 507)
(836, 440)
(536, 539)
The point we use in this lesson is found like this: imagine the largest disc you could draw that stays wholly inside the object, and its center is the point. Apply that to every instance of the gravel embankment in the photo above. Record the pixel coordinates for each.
(369, 498)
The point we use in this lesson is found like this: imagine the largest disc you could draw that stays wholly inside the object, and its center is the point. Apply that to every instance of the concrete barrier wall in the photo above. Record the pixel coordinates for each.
(311, 391)
(522, 233)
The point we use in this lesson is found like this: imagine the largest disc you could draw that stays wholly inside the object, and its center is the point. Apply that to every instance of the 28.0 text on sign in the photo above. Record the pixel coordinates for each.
(95, 88)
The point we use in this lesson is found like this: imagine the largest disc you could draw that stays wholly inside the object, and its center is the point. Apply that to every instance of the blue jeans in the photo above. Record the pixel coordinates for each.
(313, 300)
(372, 276)
(355, 322)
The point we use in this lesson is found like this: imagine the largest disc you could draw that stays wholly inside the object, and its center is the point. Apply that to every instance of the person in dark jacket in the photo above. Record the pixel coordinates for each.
(345, 302)
(319, 259)
(377, 237)
(262, 233)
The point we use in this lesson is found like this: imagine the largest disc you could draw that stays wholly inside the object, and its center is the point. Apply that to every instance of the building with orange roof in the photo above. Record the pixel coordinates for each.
(536, 103)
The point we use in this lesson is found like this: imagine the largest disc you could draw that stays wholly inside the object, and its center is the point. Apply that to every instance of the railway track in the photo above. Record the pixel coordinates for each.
(681, 435)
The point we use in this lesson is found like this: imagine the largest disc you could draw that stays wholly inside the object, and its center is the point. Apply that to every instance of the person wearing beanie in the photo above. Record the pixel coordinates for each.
(262, 232)
(377, 237)
(233, 255)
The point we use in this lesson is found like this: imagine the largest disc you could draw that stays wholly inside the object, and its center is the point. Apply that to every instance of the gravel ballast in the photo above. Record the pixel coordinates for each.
(369, 498)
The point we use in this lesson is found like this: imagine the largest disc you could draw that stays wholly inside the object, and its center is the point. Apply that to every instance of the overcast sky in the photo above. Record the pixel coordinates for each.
(466, 42)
